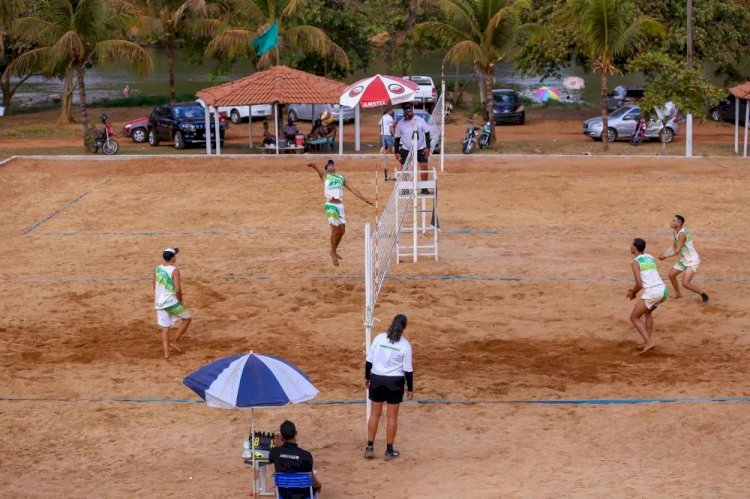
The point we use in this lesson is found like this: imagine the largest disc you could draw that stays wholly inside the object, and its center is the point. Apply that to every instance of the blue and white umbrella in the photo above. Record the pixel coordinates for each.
(251, 380)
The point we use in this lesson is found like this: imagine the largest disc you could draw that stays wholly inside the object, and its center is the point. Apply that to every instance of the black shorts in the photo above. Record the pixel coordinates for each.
(388, 389)
(421, 158)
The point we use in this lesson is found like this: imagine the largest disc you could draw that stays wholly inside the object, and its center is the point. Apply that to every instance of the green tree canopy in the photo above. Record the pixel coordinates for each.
(481, 32)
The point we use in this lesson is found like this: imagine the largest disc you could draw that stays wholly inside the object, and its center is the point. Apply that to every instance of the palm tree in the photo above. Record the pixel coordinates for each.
(483, 32)
(164, 20)
(78, 32)
(608, 31)
(243, 20)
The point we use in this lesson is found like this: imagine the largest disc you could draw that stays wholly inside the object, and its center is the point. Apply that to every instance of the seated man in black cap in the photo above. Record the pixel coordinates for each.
(290, 458)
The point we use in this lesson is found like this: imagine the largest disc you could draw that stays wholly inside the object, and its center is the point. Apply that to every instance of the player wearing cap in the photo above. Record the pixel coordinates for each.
(689, 259)
(333, 189)
(168, 300)
(404, 139)
(387, 369)
(654, 293)
(288, 457)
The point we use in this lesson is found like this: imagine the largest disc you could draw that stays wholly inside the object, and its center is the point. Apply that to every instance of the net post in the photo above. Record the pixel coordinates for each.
(415, 174)
(368, 309)
(442, 126)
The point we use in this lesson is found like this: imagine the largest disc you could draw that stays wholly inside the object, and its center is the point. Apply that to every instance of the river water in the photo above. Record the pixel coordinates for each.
(108, 81)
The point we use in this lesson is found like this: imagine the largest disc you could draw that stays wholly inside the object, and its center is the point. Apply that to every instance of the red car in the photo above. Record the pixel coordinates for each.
(136, 129)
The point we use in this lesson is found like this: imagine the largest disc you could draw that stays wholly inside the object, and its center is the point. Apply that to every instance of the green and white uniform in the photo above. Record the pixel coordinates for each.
(688, 256)
(169, 310)
(654, 290)
(333, 188)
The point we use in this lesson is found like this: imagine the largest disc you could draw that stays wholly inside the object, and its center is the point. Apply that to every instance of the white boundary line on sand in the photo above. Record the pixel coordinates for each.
(6, 161)
(280, 157)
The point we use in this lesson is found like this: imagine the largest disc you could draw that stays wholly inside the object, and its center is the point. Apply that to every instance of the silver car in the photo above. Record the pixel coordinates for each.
(622, 122)
(305, 111)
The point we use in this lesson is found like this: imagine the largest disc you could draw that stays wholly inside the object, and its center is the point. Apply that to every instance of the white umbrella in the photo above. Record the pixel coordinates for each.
(574, 83)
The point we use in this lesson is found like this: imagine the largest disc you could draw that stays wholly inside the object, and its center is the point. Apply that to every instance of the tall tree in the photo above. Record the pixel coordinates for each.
(79, 33)
(10, 48)
(608, 31)
(347, 27)
(671, 80)
(483, 32)
(241, 21)
(165, 20)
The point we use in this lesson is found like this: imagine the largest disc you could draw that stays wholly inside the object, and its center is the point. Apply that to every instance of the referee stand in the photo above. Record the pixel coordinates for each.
(422, 228)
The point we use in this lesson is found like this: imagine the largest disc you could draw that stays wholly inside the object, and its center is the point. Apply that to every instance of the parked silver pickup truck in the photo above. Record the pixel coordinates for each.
(426, 94)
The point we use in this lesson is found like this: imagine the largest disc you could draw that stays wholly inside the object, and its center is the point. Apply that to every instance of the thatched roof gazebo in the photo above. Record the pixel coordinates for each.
(740, 92)
(278, 85)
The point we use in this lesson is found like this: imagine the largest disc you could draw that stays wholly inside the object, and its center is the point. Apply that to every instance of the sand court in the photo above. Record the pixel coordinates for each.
(526, 303)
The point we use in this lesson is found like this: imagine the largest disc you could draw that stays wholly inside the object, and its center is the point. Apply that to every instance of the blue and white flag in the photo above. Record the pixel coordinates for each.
(251, 380)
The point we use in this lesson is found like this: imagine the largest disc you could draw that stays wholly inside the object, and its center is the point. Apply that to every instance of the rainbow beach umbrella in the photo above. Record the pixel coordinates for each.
(547, 93)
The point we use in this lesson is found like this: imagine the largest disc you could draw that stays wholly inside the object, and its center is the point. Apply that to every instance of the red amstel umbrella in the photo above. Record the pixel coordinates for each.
(378, 90)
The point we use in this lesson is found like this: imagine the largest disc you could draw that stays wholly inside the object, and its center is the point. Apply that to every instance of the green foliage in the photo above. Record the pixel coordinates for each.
(142, 100)
(346, 28)
(671, 80)
(721, 32)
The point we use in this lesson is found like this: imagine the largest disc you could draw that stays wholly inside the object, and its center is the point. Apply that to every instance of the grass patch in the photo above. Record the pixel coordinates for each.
(141, 100)
(40, 131)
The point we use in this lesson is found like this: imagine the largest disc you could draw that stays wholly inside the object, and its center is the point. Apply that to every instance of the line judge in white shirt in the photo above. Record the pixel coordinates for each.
(387, 369)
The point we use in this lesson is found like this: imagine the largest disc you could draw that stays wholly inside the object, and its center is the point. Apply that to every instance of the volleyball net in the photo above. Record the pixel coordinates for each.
(381, 242)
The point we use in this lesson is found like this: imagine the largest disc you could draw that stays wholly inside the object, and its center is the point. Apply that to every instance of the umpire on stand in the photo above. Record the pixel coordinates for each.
(404, 137)
(387, 369)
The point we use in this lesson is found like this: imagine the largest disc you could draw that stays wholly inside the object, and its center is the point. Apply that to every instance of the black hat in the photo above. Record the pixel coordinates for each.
(407, 105)
(169, 253)
(330, 163)
(288, 430)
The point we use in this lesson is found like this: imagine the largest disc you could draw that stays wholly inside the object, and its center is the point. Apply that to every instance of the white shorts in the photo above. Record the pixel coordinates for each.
(169, 316)
(681, 266)
(654, 296)
(335, 213)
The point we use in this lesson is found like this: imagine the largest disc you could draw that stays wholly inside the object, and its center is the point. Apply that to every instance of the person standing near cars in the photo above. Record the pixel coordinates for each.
(406, 129)
(387, 369)
(386, 132)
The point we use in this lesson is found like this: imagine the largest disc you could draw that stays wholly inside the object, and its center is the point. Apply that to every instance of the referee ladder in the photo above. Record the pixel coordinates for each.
(418, 234)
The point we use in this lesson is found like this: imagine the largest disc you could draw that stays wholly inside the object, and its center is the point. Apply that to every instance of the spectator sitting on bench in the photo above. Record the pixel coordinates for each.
(315, 132)
(327, 131)
(290, 131)
(268, 138)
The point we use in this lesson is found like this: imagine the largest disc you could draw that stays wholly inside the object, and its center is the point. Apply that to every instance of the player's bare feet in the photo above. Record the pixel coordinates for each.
(174, 347)
(645, 348)
(166, 356)
(339, 256)
(677, 296)
(334, 259)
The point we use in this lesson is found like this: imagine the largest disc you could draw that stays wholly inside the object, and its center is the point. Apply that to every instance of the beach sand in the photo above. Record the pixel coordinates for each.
(527, 302)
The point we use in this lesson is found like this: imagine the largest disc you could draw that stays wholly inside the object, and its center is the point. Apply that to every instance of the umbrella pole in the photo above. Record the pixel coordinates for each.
(252, 446)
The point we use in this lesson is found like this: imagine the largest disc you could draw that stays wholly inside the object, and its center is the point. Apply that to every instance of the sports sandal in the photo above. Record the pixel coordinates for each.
(369, 452)
(390, 456)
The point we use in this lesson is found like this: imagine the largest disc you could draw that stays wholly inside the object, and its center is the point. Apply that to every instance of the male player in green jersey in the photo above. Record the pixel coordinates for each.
(333, 188)
(689, 259)
(654, 292)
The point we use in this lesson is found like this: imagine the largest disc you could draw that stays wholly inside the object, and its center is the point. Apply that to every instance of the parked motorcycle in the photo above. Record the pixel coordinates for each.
(104, 138)
(475, 138)
(639, 133)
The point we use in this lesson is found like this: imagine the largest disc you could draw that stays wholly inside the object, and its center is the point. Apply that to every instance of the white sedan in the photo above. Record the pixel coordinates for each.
(240, 113)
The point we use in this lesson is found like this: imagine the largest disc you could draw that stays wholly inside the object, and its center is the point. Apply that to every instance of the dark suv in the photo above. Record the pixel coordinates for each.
(181, 124)
(507, 107)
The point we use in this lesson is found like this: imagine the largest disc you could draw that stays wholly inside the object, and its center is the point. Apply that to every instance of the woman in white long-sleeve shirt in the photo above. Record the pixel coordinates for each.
(387, 370)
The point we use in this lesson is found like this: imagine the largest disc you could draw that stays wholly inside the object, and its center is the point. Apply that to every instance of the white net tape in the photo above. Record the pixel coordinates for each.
(385, 235)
